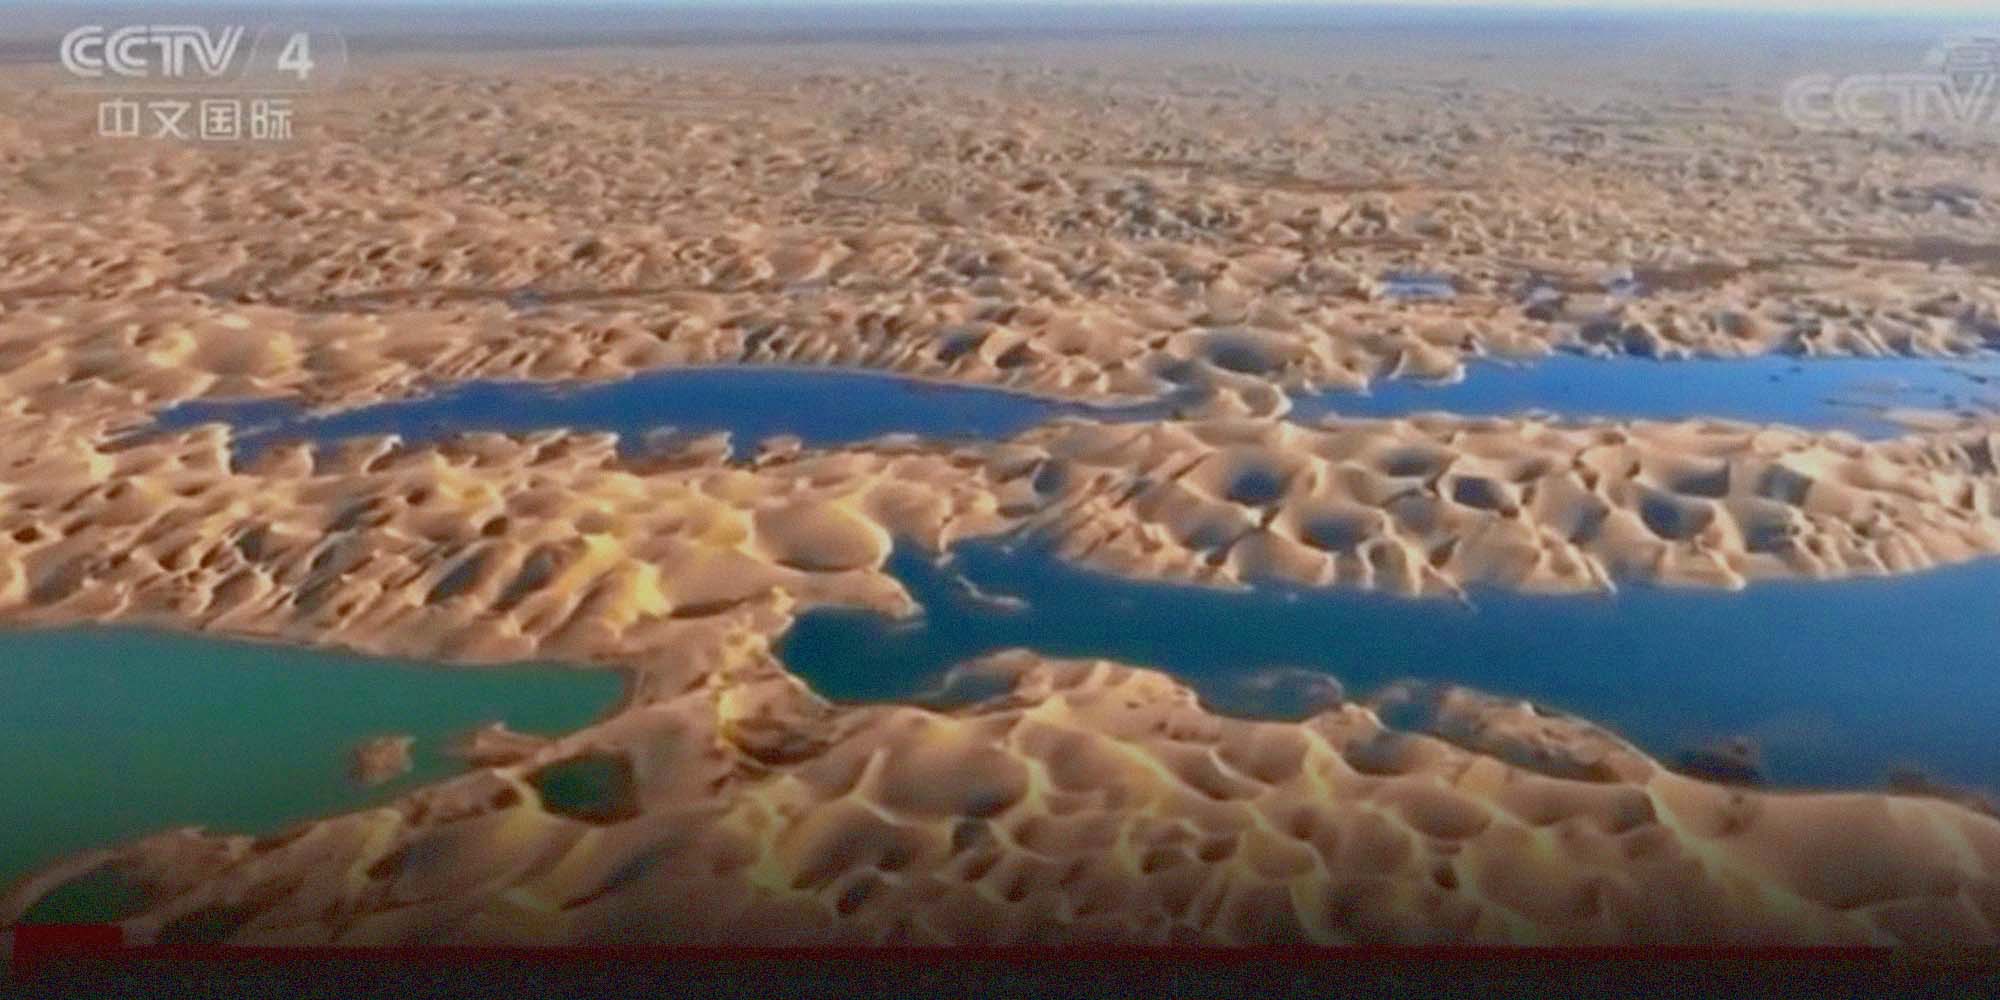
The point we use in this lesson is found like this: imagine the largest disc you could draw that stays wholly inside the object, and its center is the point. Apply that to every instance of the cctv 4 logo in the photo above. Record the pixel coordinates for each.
(170, 51)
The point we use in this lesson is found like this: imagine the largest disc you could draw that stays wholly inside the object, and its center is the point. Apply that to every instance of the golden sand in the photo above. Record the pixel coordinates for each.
(1115, 231)
(1094, 802)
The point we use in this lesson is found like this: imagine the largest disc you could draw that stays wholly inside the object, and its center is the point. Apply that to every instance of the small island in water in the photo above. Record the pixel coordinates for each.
(1390, 480)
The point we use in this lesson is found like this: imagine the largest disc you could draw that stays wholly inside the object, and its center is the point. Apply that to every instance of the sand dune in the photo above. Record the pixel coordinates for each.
(1093, 802)
(1082, 232)
(1103, 225)
(488, 547)
(1429, 504)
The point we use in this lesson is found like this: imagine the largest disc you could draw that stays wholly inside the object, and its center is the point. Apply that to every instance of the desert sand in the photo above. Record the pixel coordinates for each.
(1091, 224)
(380, 760)
(1095, 802)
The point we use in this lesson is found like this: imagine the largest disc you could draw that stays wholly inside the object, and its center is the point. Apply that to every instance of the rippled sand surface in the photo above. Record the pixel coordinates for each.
(1095, 222)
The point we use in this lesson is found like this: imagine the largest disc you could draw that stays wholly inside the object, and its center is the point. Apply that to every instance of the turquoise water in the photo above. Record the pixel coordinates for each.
(835, 407)
(1839, 683)
(109, 734)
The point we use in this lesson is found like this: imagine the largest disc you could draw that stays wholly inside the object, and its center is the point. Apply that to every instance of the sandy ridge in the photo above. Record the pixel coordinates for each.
(1119, 229)
(1085, 232)
(1095, 802)
(685, 566)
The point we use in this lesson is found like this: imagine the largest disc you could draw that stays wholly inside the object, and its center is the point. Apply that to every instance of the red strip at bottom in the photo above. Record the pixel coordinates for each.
(22, 947)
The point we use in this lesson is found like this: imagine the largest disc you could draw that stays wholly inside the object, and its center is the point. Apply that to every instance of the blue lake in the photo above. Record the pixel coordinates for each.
(1839, 683)
(109, 734)
(1830, 393)
(820, 406)
(833, 407)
